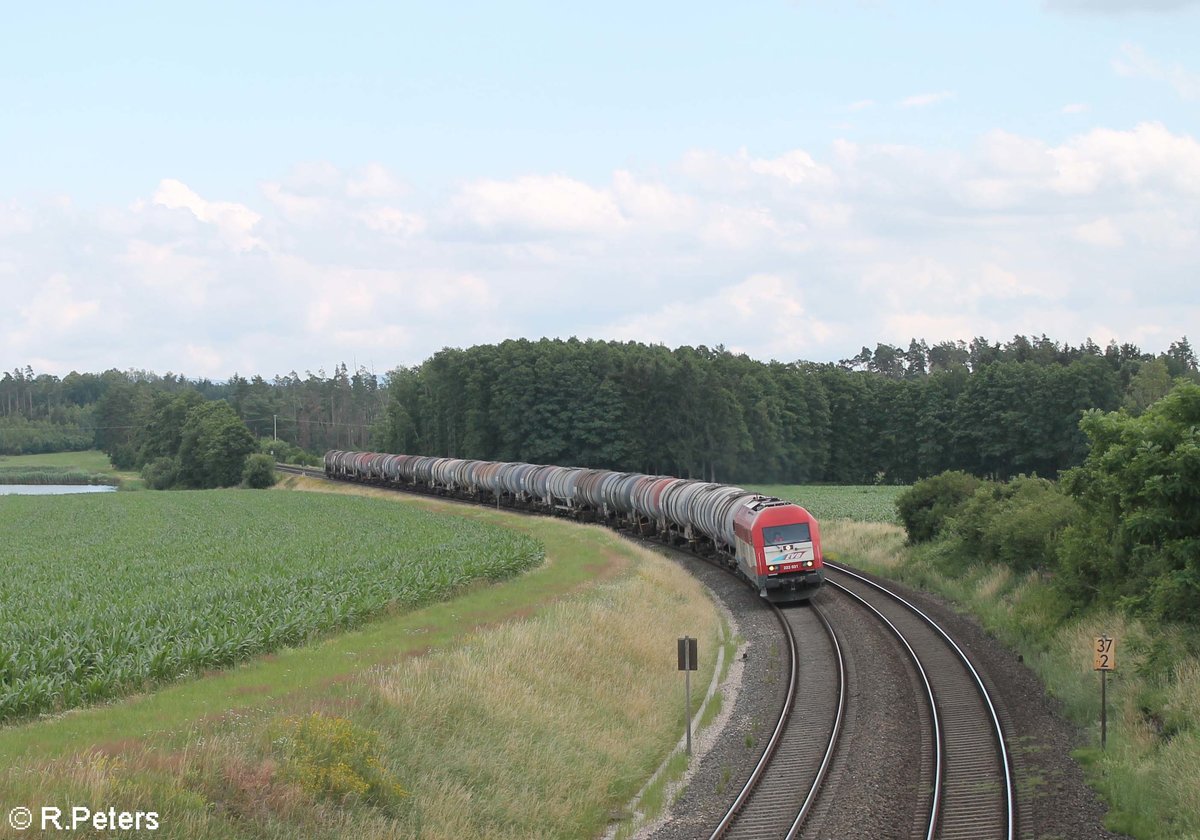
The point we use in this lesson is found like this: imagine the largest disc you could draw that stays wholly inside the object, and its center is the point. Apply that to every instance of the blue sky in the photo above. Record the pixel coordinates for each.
(214, 187)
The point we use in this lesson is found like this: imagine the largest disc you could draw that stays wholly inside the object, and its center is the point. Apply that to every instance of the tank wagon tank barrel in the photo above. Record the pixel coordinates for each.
(772, 543)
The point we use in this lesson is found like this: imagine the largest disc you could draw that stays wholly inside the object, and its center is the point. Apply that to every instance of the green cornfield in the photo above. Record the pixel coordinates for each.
(862, 503)
(103, 595)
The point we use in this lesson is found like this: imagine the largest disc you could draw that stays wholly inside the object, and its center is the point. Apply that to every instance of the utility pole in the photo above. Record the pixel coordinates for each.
(275, 419)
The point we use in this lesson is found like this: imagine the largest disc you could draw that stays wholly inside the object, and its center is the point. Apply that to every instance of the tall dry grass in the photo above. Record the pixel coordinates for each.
(875, 545)
(545, 725)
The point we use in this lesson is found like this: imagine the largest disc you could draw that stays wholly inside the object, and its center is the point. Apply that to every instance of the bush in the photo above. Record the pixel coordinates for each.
(288, 453)
(1016, 524)
(925, 507)
(333, 757)
(259, 472)
(161, 473)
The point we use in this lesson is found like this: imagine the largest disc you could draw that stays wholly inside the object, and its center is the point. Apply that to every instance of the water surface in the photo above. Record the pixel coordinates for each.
(52, 489)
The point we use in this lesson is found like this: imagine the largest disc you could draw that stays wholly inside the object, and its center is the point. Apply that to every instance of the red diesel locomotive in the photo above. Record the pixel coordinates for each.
(778, 548)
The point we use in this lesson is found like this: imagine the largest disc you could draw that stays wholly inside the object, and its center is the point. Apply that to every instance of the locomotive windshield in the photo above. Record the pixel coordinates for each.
(784, 534)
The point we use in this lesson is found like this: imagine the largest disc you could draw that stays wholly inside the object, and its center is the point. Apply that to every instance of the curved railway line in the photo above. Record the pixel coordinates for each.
(972, 791)
(785, 783)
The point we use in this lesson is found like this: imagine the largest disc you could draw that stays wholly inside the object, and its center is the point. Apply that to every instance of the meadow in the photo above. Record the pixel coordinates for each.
(91, 460)
(53, 475)
(862, 503)
(86, 467)
(106, 595)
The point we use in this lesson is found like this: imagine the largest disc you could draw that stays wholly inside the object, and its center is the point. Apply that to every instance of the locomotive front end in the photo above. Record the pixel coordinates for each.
(779, 548)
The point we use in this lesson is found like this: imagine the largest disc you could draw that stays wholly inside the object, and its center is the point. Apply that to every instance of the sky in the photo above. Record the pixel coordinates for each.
(263, 188)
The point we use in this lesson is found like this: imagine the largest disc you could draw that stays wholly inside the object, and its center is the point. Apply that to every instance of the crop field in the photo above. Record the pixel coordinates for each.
(862, 503)
(103, 595)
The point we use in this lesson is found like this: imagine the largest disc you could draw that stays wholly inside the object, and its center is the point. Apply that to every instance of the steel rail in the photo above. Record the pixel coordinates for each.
(834, 736)
(939, 747)
(996, 728)
(777, 735)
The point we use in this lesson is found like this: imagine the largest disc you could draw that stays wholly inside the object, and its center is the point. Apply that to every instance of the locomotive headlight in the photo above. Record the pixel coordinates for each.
(808, 563)
(770, 568)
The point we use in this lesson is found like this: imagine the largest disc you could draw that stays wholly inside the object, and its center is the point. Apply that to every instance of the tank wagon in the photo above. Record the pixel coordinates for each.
(774, 544)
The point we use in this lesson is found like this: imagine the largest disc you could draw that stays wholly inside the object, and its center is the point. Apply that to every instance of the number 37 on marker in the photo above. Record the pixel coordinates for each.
(1104, 654)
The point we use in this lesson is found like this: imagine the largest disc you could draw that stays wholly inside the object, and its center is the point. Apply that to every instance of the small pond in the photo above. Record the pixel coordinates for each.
(52, 489)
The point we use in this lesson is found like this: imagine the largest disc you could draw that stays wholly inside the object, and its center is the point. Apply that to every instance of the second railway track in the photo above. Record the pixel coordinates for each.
(972, 792)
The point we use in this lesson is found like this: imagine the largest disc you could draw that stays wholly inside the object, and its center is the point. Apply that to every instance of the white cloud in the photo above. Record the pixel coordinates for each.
(763, 315)
(235, 221)
(56, 311)
(923, 100)
(861, 105)
(796, 172)
(162, 268)
(393, 221)
(1076, 108)
(374, 181)
(1133, 62)
(805, 252)
(653, 204)
(795, 167)
(1102, 233)
(1148, 156)
(538, 205)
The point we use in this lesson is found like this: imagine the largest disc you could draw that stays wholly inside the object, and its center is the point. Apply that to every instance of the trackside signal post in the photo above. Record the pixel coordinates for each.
(1104, 659)
(687, 664)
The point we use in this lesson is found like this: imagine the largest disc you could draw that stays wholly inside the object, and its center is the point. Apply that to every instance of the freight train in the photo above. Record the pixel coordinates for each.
(774, 544)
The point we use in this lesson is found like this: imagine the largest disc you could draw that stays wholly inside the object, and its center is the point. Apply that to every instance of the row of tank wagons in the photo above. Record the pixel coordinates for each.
(691, 508)
(774, 544)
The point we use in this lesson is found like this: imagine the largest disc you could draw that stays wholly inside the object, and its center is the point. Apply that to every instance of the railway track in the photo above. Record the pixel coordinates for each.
(787, 779)
(972, 792)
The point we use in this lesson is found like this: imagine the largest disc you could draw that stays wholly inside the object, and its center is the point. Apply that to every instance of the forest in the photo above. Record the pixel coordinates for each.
(886, 415)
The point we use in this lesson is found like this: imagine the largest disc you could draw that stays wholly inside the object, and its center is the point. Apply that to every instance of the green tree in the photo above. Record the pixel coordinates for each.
(1139, 542)
(213, 446)
(1151, 383)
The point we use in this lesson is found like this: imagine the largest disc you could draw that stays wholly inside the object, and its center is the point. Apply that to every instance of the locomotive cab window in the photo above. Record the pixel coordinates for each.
(784, 534)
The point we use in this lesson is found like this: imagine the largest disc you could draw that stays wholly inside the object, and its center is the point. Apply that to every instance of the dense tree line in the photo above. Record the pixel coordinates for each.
(884, 415)
(111, 410)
